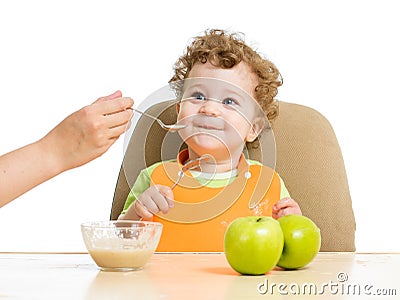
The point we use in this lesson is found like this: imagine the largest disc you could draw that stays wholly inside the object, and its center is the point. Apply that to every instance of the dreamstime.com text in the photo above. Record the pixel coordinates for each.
(340, 286)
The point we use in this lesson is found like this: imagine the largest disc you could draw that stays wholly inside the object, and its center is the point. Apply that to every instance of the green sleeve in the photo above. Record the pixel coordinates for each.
(141, 184)
(284, 191)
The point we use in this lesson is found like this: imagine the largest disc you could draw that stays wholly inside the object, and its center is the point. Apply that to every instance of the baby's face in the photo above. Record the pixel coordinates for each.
(218, 108)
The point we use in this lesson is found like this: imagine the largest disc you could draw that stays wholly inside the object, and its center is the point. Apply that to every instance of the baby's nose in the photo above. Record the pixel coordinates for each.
(211, 107)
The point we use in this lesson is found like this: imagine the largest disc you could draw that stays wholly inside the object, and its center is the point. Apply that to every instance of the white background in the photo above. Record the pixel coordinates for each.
(339, 57)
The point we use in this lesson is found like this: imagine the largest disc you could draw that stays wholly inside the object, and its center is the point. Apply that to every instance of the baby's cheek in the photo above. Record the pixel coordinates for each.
(182, 115)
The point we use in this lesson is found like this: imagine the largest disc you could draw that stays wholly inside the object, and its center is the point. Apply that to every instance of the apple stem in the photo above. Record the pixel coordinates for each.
(259, 219)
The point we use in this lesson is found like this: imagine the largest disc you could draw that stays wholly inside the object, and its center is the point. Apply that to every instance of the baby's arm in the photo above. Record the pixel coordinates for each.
(285, 206)
(153, 200)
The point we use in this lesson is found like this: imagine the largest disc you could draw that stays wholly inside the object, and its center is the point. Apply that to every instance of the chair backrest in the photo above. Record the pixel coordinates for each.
(308, 158)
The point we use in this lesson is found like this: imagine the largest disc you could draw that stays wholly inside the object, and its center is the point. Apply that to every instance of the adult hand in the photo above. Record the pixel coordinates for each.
(89, 132)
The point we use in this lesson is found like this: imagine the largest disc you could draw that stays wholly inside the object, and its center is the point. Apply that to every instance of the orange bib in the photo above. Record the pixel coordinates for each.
(201, 214)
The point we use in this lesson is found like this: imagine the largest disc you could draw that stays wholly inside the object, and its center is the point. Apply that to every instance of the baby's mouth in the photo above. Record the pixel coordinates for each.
(205, 123)
(207, 127)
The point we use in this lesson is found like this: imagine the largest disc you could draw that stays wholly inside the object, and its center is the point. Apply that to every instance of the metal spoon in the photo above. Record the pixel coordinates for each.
(189, 165)
(172, 127)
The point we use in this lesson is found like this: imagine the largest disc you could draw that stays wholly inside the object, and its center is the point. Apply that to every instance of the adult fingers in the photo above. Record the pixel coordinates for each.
(115, 133)
(116, 94)
(118, 118)
(113, 105)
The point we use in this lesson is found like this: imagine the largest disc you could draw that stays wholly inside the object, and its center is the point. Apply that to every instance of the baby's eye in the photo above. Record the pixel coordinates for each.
(198, 96)
(229, 101)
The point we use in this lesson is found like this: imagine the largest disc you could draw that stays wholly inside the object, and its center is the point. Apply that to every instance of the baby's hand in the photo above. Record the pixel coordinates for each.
(285, 206)
(155, 199)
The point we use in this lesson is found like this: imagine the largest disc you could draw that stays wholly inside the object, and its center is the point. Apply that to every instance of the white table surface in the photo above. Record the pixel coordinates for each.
(196, 276)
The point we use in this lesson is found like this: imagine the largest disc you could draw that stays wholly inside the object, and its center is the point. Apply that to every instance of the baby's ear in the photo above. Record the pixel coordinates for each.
(256, 128)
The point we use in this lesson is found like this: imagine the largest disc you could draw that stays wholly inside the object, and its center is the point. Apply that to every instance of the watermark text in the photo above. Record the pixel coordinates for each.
(340, 286)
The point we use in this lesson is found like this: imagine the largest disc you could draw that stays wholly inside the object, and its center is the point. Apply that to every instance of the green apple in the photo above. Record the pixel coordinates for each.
(253, 244)
(302, 241)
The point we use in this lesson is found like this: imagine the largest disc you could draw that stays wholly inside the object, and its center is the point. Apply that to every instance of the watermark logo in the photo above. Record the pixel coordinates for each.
(340, 286)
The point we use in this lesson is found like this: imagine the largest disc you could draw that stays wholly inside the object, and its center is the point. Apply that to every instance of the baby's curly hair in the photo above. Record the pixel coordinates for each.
(226, 50)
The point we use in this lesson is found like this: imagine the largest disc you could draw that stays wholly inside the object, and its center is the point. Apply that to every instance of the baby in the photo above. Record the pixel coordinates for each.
(226, 96)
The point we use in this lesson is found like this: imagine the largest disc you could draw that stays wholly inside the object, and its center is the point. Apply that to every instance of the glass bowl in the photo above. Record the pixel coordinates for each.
(121, 245)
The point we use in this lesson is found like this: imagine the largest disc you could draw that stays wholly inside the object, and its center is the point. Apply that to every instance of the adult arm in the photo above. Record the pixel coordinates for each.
(81, 137)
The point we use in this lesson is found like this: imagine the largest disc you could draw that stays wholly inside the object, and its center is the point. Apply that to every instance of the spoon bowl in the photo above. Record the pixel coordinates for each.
(172, 127)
